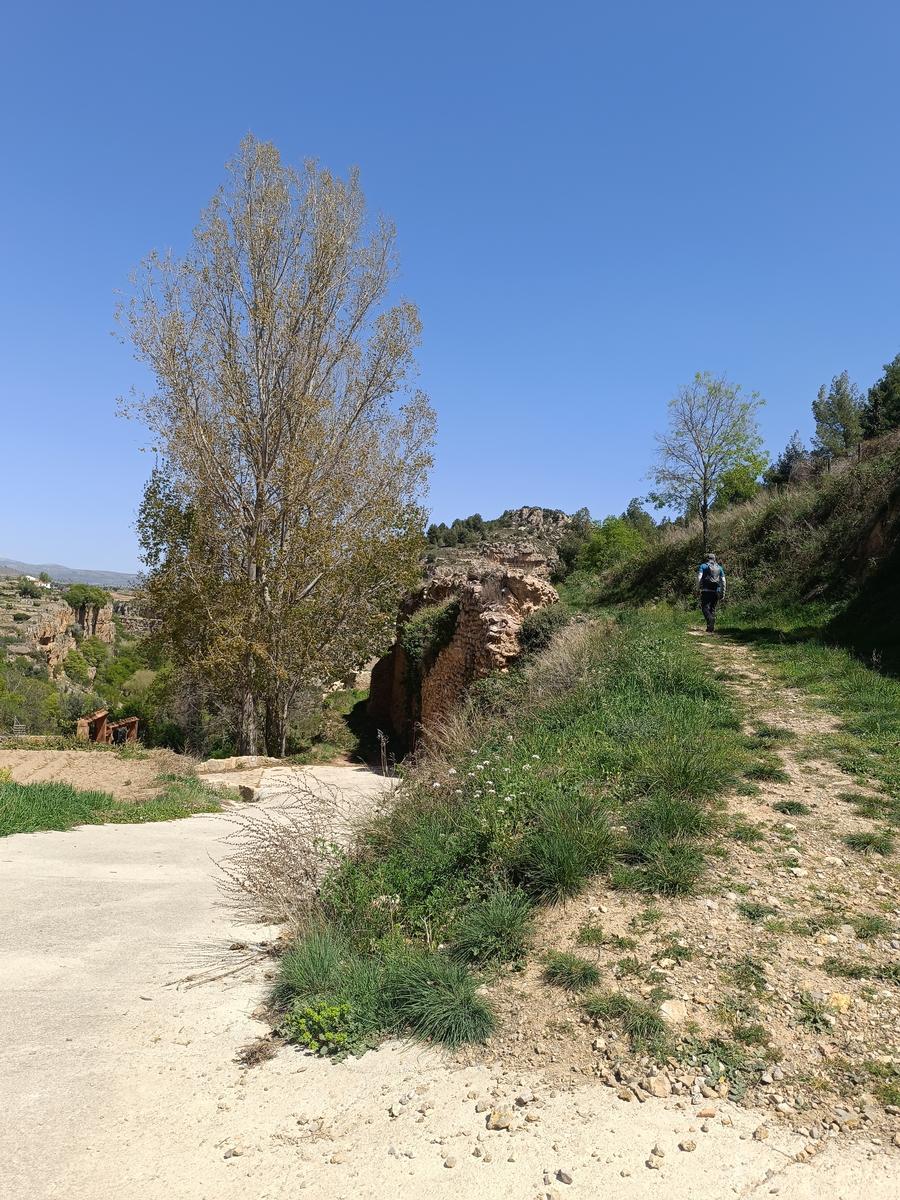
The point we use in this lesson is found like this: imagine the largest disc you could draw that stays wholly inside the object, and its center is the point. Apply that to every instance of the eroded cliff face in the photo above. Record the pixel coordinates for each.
(491, 600)
(51, 632)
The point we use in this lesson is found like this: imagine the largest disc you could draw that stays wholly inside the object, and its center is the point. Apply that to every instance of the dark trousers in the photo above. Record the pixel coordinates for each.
(708, 602)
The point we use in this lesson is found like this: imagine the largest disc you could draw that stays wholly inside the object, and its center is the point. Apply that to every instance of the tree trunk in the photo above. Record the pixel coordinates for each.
(248, 736)
(704, 517)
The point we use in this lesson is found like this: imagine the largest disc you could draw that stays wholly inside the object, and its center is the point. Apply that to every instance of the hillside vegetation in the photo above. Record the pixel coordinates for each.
(820, 556)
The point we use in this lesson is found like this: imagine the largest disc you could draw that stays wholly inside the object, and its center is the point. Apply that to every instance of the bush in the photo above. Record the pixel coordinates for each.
(29, 589)
(496, 930)
(19, 617)
(77, 669)
(427, 631)
(324, 1029)
(570, 972)
(540, 627)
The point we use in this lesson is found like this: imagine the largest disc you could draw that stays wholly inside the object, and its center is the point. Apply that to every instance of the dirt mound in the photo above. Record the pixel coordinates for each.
(131, 778)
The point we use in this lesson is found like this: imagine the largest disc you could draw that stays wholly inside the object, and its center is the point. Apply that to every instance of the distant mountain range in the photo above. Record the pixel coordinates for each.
(110, 579)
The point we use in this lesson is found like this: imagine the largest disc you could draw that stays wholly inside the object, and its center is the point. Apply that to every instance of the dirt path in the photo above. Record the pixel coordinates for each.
(120, 1081)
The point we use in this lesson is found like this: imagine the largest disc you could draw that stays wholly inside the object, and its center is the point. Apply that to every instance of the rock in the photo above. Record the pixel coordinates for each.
(687, 1145)
(760, 1133)
(706, 1112)
(564, 1176)
(658, 1151)
(450, 1162)
(653, 1163)
(525, 1097)
(337, 1157)
(832, 860)
(659, 1086)
(800, 872)
(896, 1140)
(499, 1118)
(625, 1093)
(482, 1106)
(673, 1011)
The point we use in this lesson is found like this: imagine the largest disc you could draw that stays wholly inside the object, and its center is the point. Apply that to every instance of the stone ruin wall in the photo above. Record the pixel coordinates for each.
(493, 603)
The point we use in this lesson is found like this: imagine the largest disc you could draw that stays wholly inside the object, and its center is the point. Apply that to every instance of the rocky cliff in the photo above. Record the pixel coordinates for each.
(461, 625)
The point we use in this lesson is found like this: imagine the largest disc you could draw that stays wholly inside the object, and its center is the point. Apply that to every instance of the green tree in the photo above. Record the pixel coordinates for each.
(792, 464)
(285, 520)
(712, 431)
(635, 514)
(613, 540)
(741, 482)
(29, 589)
(881, 409)
(838, 414)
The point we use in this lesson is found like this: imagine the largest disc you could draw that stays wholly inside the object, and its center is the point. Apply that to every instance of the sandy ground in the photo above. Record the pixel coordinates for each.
(127, 779)
(119, 1032)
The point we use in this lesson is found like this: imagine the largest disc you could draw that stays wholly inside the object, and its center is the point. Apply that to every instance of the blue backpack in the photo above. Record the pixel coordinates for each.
(712, 576)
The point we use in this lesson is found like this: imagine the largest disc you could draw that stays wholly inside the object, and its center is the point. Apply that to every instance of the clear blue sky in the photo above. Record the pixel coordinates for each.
(593, 202)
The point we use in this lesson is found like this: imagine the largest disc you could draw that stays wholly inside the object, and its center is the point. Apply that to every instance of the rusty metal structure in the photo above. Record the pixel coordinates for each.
(96, 727)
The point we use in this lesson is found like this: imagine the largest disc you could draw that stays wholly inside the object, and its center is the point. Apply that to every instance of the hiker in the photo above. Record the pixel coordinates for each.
(711, 578)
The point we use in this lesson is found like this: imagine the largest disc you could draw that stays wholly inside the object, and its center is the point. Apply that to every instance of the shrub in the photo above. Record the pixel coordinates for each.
(871, 926)
(570, 972)
(427, 631)
(540, 627)
(29, 589)
(19, 617)
(76, 667)
(323, 1029)
(754, 911)
(496, 930)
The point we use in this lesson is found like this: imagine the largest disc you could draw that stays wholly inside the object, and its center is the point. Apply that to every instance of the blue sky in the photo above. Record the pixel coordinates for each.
(593, 202)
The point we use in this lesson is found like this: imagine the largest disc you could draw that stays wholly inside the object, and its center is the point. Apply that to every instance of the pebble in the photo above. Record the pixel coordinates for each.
(564, 1176)
(687, 1145)
(658, 1151)
(653, 1163)
(499, 1118)
(450, 1162)
(709, 1111)
(760, 1133)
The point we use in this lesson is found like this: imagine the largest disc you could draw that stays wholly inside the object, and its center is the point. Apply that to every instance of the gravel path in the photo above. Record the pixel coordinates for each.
(119, 1033)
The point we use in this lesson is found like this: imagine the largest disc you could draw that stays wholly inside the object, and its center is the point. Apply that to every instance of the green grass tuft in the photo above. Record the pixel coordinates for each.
(495, 930)
(570, 972)
(642, 1025)
(792, 808)
(876, 841)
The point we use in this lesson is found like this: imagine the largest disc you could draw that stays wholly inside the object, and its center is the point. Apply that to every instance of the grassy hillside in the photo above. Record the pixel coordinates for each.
(823, 555)
(585, 762)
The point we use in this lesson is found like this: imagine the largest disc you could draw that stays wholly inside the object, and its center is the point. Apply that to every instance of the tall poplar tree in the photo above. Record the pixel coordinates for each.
(284, 519)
